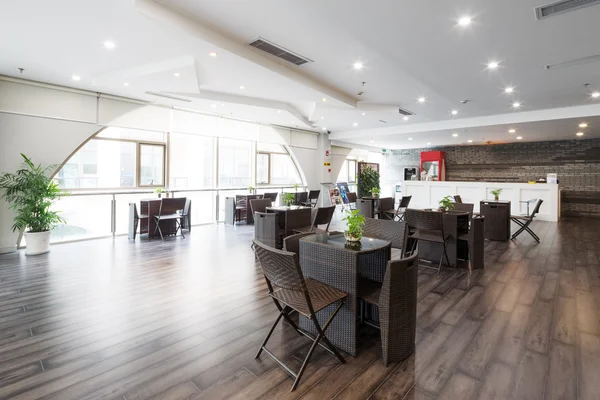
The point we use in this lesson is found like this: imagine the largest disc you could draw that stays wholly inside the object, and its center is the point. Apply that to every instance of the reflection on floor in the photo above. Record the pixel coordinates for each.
(183, 319)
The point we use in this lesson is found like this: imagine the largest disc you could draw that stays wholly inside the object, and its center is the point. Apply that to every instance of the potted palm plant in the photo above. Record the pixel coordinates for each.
(31, 192)
(355, 224)
(496, 193)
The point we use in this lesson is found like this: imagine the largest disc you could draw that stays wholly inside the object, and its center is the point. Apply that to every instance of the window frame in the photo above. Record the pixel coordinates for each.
(264, 153)
(284, 152)
(138, 163)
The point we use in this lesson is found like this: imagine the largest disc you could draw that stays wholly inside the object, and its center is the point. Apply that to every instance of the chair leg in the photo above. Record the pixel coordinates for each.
(159, 230)
(262, 346)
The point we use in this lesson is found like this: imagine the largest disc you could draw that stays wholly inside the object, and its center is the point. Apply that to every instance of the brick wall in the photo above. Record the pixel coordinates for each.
(577, 163)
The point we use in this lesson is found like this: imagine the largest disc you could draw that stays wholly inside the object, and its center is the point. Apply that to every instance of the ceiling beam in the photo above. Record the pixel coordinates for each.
(167, 15)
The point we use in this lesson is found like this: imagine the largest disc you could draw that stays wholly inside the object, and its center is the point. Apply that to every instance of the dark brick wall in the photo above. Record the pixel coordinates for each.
(577, 163)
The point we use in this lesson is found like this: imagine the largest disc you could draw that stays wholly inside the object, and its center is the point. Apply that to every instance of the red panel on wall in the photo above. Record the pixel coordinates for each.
(434, 161)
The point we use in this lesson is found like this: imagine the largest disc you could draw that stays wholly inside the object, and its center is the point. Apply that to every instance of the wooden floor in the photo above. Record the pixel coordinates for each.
(182, 319)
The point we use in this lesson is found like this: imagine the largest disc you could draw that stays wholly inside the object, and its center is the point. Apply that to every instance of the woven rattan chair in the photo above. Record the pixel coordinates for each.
(468, 207)
(365, 207)
(272, 196)
(170, 210)
(266, 229)
(399, 212)
(300, 197)
(428, 226)
(396, 299)
(260, 205)
(291, 292)
(386, 205)
(323, 216)
(313, 199)
(457, 199)
(392, 231)
(292, 242)
(186, 216)
(134, 220)
(524, 220)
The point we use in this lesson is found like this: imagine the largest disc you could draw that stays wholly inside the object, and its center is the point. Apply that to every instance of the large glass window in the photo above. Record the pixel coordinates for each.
(274, 166)
(262, 169)
(235, 163)
(191, 162)
(152, 165)
(348, 172)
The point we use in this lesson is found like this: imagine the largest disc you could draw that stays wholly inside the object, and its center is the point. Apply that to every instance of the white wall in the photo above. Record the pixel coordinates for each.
(48, 123)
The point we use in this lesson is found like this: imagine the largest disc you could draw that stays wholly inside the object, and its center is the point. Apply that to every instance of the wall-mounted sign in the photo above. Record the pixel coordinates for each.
(326, 153)
(326, 164)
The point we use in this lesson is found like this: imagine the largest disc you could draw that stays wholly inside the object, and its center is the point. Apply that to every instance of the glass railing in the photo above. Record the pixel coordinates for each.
(97, 214)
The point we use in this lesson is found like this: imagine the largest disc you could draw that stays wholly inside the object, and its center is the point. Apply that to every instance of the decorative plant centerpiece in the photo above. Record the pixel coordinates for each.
(31, 192)
(288, 199)
(355, 223)
(496, 193)
(446, 204)
(159, 191)
(375, 192)
(368, 180)
(251, 189)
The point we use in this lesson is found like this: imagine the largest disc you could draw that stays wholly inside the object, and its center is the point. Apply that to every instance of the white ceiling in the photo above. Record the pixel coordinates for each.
(407, 52)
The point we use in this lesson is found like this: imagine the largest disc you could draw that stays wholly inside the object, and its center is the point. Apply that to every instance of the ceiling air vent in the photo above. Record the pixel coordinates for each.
(404, 112)
(562, 6)
(279, 52)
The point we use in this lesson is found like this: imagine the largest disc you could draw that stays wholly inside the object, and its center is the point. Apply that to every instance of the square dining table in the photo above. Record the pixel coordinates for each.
(332, 260)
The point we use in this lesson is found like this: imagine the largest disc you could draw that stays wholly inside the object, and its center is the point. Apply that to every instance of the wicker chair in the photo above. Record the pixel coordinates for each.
(524, 220)
(365, 207)
(300, 197)
(323, 216)
(351, 200)
(427, 226)
(313, 199)
(272, 196)
(291, 292)
(134, 220)
(468, 207)
(396, 299)
(457, 199)
(260, 205)
(392, 231)
(292, 242)
(386, 205)
(170, 210)
(399, 212)
(266, 228)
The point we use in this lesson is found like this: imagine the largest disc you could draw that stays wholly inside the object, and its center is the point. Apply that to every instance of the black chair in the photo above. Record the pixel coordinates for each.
(170, 210)
(458, 199)
(186, 217)
(290, 291)
(351, 200)
(392, 231)
(313, 198)
(259, 205)
(134, 219)
(323, 216)
(524, 220)
(399, 212)
(386, 204)
(300, 197)
(427, 226)
(292, 242)
(272, 196)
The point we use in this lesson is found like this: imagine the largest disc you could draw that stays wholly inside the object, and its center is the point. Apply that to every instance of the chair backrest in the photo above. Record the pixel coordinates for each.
(323, 216)
(186, 208)
(260, 205)
(241, 200)
(386, 204)
(405, 201)
(536, 209)
(351, 197)
(298, 218)
(365, 207)
(385, 229)
(292, 242)
(301, 197)
(314, 195)
(171, 205)
(468, 207)
(426, 220)
(266, 228)
(281, 269)
(272, 196)
(254, 196)
(133, 210)
(457, 199)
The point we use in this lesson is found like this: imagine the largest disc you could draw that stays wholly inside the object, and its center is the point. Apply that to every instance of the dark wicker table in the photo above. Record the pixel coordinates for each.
(329, 259)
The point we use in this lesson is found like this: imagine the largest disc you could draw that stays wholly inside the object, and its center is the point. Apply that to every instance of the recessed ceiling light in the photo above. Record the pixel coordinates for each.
(355, 124)
(493, 65)
(409, 138)
(371, 141)
(242, 87)
(222, 104)
(512, 130)
(465, 21)
(76, 77)
(125, 84)
(519, 137)
(579, 133)
(176, 74)
(470, 141)
(455, 135)
(324, 128)
(421, 99)
(322, 117)
(509, 89)
(364, 113)
(324, 99)
(516, 104)
(109, 45)
(454, 112)
(405, 118)
(213, 106)
(583, 125)
(596, 95)
(278, 111)
(212, 54)
(358, 65)
(428, 143)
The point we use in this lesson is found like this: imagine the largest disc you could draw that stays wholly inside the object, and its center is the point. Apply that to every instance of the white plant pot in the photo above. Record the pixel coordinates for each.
(37, 243)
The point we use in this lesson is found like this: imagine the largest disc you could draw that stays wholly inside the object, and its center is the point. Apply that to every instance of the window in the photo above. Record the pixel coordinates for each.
(152, 165)
(191, 161)
(274, 166)
(235, 163)
(348, 172)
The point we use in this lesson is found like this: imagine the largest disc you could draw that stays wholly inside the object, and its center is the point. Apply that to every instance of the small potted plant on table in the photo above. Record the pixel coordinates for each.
(355, 224)
(496, 194)
(375, 192)
(446, 204)
(159, 191)
(31, 192)
(288, 199)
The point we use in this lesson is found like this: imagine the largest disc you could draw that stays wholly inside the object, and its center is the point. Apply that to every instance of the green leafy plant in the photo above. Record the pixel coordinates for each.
(296, 186)
(251, 189)
(31, 192)
(446, 204)
(375, 191)
(160, 190)
(496, 193)
(355, 224)
(368, 180)
(288, 199)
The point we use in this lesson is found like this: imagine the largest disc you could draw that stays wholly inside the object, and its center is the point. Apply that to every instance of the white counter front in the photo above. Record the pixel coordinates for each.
(426, 194)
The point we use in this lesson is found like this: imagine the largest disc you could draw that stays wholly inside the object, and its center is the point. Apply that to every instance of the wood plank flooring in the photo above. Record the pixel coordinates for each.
(183, 318)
